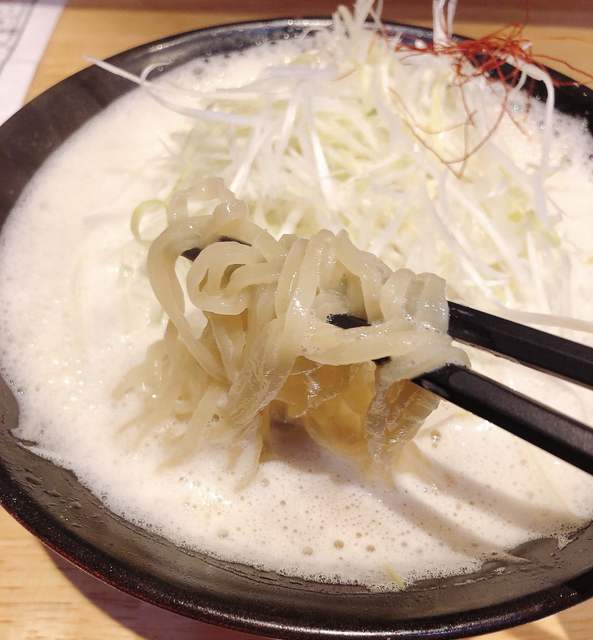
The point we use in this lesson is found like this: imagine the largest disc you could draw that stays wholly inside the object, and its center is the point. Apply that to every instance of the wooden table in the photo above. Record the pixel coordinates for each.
(43, 597)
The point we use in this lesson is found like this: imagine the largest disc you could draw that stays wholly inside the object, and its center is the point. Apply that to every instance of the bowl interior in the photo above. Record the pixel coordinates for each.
(51, 503)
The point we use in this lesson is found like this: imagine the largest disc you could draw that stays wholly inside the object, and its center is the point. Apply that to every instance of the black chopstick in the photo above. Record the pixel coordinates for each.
(546, 428)
(532, 421)
(536, 349)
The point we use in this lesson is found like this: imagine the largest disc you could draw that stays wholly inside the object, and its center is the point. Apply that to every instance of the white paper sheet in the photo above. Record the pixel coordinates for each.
(25, 28)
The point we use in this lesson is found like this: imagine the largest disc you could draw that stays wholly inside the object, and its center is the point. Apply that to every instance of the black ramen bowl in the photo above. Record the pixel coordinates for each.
(52, 504)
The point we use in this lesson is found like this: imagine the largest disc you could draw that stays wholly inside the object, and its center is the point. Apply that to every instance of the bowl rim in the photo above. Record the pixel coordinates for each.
(150, 589)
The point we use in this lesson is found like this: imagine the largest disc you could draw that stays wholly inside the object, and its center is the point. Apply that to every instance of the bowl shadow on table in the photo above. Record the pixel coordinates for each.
(145, 620)
(152, 623)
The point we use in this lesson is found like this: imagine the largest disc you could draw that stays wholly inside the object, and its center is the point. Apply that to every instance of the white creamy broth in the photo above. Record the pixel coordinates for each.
(77, 314)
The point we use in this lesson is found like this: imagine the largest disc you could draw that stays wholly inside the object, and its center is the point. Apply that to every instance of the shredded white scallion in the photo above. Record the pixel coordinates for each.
(342, 135)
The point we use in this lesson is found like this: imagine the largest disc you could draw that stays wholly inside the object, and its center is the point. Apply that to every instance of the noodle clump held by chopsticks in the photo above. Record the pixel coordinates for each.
(248, 342)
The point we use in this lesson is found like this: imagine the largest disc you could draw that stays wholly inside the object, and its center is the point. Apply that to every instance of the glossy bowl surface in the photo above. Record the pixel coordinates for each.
(51, 503)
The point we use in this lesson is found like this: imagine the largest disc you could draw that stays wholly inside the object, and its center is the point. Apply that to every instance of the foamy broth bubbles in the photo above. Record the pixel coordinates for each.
(77, 313)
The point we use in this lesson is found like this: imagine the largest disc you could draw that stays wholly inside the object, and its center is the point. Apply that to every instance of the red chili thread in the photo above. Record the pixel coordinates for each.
(492, 57)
